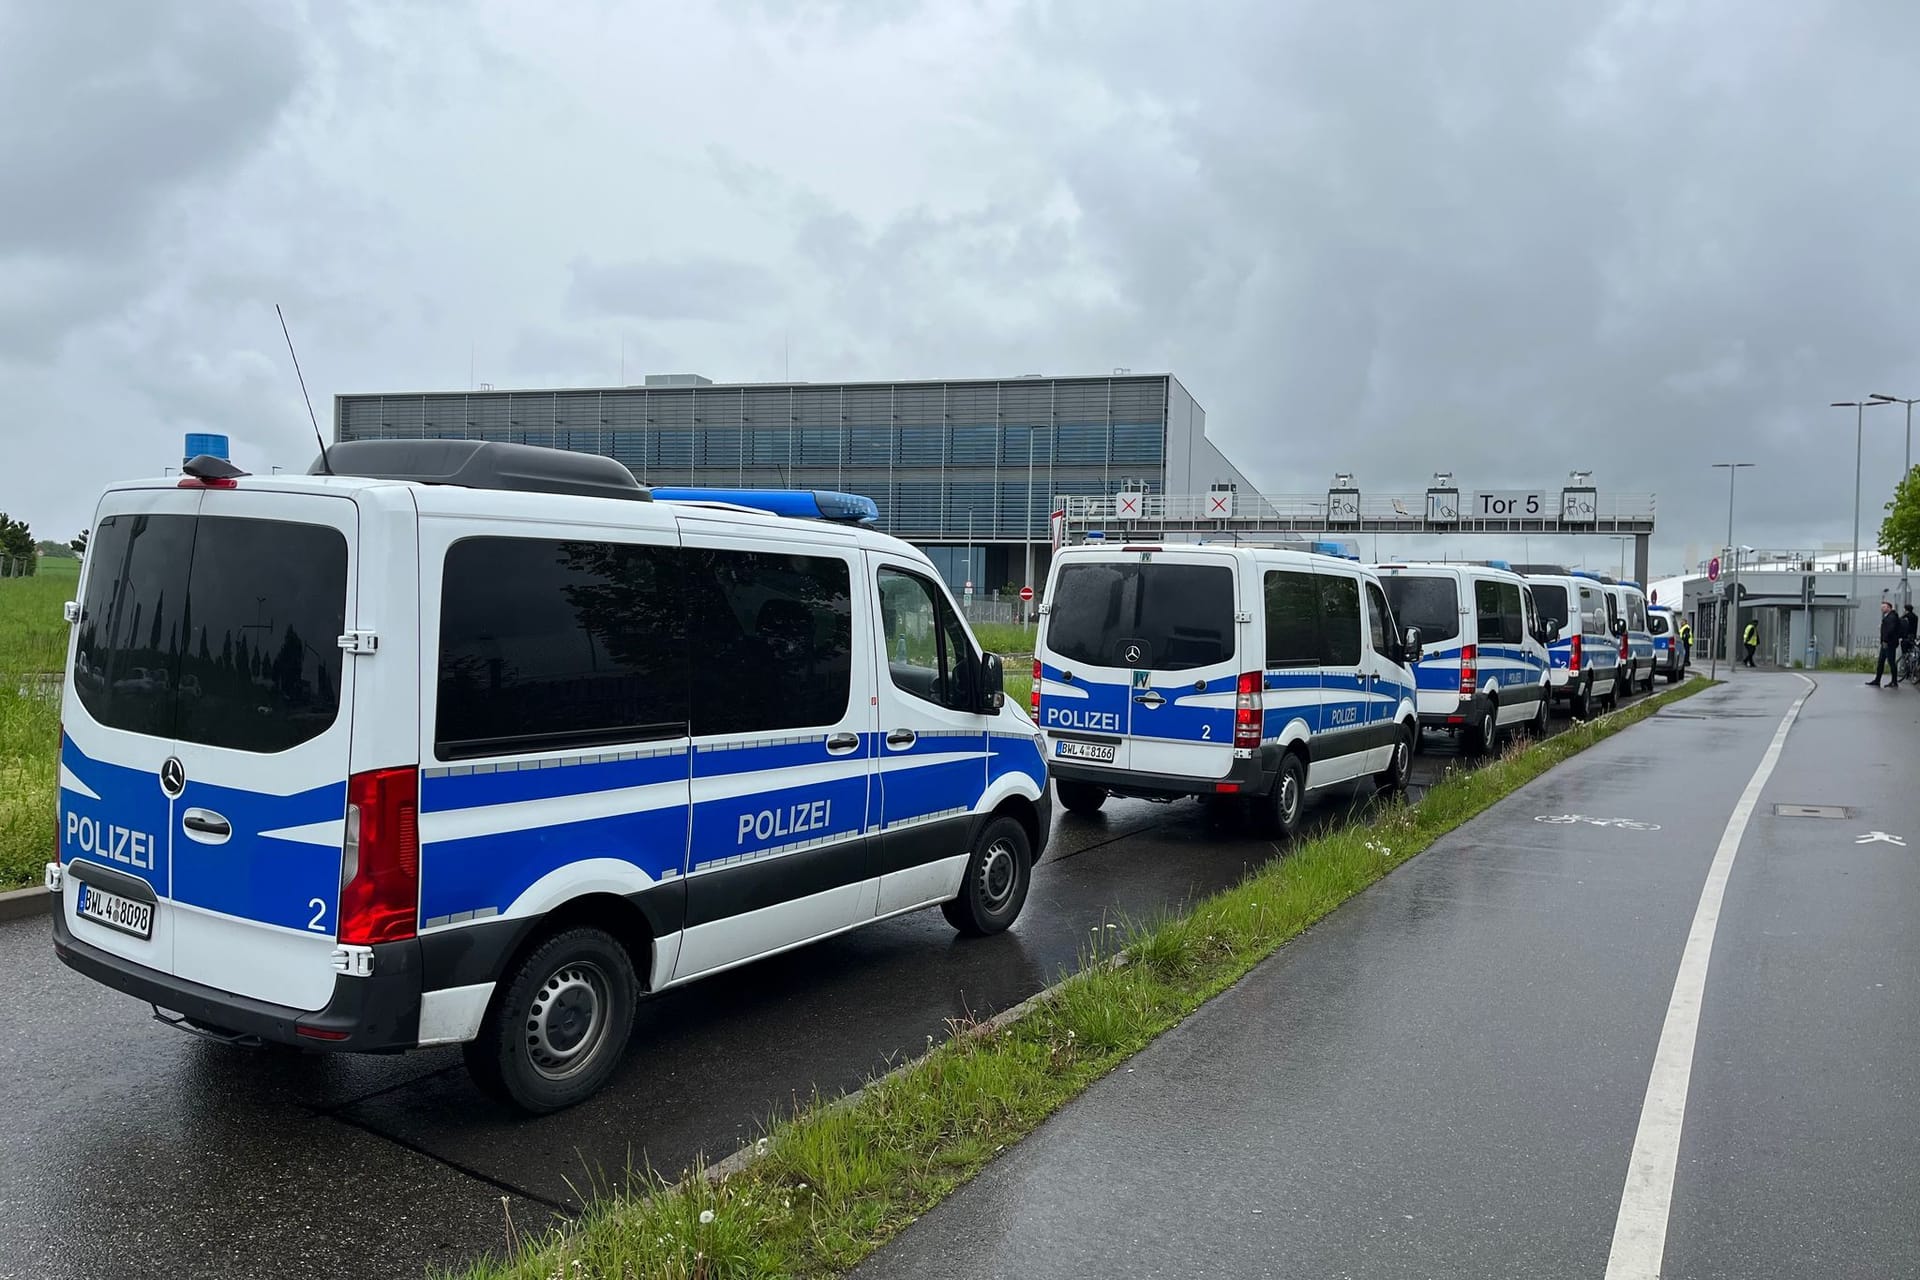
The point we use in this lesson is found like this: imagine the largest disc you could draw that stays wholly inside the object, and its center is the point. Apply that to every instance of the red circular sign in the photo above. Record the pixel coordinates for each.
(1026, 593)
(1713, 569)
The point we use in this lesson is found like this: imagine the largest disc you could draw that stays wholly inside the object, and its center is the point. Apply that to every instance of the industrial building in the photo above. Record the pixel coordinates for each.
(967, 469)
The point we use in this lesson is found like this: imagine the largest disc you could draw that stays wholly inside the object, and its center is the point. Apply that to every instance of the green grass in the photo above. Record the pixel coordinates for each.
(840, 1178)
(33, 642)
(1004, 637)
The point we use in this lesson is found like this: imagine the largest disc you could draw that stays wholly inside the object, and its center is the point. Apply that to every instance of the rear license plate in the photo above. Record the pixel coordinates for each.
(1100, 752)
(116, 912)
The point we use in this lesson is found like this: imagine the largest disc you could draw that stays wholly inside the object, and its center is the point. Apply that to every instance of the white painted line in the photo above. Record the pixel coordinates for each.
(1640, 1231)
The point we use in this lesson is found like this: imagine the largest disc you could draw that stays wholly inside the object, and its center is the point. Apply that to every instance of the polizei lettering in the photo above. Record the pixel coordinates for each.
(104, 840)
(1074, 718)
(769, 824)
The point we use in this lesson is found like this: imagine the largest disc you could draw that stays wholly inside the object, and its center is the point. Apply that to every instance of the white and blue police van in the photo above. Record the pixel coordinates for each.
(1582, 654)
(1484, 668)
(475, 743)
(1669, 659)
(1636, 641)
(1235, 674)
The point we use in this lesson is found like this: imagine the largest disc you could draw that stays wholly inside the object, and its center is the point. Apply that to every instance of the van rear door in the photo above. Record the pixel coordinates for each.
(212, 701)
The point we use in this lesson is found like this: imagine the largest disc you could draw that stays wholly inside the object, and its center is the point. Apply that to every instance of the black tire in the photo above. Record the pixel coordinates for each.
(559, 1023)
(1484, 736)
(1540, 716)
(998, 876)
(1673, 677)
(1399, 771)
(1612, 701)
(1646, 686)
(1582, 702)
(1080, 797)
(1281, 809)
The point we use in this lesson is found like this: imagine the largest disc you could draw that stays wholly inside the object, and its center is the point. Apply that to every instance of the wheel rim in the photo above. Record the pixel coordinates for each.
(999, 874)
(1401, 762)
(1289, 798)
(567, 1022)
(1486, 729)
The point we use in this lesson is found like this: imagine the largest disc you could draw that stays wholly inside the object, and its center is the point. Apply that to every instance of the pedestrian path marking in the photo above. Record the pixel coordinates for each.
(1640, 1230)
(1618, 824)
(1879, 837)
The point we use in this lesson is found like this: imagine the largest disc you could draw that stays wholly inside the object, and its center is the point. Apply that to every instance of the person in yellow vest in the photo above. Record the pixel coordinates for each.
(1751, 639)
(1686, 644)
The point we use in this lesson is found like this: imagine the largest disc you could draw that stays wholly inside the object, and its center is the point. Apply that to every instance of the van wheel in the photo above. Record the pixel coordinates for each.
(1080, 797)
(1583, 700)
(1281, 811)
(1540, 716)
(1399, 770)
(1484, 736)
(1673, 677)
(1612, 701)
(998, 876)
(558, 1025)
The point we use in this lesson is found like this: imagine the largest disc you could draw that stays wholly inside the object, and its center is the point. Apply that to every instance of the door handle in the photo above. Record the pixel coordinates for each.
(206, 826)
(841, 743)
(1151, 698)
(902, 738)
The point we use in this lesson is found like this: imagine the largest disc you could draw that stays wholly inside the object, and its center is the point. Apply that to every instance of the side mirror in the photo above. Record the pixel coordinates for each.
(1410, 646)
(993, 684)
(1619, 629)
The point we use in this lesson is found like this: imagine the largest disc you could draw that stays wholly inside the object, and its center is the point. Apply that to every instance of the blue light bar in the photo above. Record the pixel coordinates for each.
(1584, 573)
(800, 504)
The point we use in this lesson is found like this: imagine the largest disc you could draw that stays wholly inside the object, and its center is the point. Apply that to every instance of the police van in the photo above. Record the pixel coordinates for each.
(1484, 665)
(1242, 674)
(1636, 644)
(1669, 659)
(1583, 655)
(475, 743)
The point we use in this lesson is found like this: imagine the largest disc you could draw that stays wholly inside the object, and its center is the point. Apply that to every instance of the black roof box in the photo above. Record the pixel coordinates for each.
(482, 464)
(1526, 570)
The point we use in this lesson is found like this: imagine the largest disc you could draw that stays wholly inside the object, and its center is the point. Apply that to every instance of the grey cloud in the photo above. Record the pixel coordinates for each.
(689, 288)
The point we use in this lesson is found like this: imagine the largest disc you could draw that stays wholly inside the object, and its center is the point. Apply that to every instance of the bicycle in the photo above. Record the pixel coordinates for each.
(1908, 663)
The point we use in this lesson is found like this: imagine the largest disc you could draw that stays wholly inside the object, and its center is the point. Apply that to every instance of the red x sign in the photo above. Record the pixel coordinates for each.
(1217, 504)
(1129, 505)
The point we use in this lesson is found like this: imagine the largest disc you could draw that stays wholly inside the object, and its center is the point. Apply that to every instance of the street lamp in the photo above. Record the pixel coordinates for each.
(1906, 594)
(1732, 623)
(1859, 408)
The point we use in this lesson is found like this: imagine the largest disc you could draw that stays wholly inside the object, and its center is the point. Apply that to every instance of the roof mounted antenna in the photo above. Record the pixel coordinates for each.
(319, 439)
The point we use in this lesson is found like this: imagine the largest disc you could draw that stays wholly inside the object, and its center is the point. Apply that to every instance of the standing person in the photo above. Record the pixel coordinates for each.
(1686, 644)
(1909, 630)
(1890, 628)
(1751, 639)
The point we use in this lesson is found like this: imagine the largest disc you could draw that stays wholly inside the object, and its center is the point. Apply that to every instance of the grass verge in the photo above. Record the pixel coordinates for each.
(840, 1178)
(1003, 637)
(33, 644)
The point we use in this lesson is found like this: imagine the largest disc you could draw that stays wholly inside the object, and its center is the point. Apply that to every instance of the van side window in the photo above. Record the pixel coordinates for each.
(1339, 620)
(1380, 618)
(547, 644)
(1293, 619)
(772, 636)
(1512, 622)
(1636, 613)
(928, 655)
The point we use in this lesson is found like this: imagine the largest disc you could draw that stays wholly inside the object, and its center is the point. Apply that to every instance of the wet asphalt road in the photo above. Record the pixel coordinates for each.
(1445, 1077)
(131, 1150)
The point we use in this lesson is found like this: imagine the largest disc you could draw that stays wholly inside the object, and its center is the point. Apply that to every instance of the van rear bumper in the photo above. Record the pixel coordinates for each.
(375, 1014)
(1250, 775)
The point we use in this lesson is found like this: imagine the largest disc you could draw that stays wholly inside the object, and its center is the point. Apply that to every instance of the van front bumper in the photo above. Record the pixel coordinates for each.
(375, 1014)
(1250, 775)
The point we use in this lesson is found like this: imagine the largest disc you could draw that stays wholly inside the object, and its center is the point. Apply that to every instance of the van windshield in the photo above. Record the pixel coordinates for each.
(1431, 604)
(212, 629)
(1179, 616)
(1551, 602)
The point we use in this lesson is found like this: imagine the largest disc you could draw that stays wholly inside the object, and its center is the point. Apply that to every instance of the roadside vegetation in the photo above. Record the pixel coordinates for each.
(33, 653)
(839, 1178)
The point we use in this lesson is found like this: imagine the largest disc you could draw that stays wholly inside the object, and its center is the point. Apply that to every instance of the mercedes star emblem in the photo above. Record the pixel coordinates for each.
(173, 777)
(1133, 653)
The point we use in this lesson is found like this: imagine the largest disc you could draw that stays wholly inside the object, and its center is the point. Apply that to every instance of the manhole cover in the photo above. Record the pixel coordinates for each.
(1812, 811)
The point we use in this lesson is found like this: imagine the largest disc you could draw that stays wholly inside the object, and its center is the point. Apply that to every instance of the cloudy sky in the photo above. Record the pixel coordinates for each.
(1499, 237)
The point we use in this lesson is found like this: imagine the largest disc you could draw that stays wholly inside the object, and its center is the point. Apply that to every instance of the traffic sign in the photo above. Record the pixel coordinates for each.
(1713, 569)
(1026, 593)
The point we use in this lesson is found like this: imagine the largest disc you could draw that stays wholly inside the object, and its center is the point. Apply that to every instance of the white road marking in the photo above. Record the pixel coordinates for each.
(1881, 837)
(1640, 1230)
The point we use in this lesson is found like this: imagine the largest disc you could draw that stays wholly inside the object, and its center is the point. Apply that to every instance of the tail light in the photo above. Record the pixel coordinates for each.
(1249, 705)
(1469, 669)
(1573, 662)
(380, 862)
(1033, 695)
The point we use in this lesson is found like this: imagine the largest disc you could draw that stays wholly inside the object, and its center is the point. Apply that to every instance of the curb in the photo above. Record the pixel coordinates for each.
(20, 904)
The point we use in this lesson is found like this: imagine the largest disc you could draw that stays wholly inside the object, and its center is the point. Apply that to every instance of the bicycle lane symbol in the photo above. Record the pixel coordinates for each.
(1577, 819)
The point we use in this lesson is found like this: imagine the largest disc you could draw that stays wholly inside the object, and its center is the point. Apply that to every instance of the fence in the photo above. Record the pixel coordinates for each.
(17, 566)
(995, 608)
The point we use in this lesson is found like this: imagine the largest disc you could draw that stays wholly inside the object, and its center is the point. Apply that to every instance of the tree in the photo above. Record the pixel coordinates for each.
(1900, 531)
(79, 544)
(54, 550)
(16, 546)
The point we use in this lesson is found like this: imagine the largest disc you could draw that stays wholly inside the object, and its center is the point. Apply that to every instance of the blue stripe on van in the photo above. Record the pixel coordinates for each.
(490, 785)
